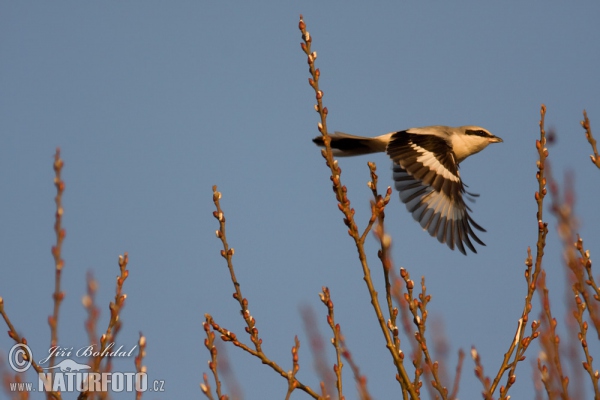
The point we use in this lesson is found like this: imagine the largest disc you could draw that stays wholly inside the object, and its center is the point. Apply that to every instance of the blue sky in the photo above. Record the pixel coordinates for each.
(152, 103)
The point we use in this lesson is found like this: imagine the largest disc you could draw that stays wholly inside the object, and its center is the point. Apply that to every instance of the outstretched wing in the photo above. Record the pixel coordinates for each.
(426, 175)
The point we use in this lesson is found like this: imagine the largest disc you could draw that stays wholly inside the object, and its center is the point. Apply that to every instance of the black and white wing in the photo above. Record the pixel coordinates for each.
(426, 175)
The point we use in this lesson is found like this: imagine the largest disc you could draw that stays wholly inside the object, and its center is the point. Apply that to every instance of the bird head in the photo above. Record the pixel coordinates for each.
(468, 140)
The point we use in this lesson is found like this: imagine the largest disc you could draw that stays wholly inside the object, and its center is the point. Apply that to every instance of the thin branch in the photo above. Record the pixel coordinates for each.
(228, 336)
(14, 335)
(520, 342)
(480, 374)
(407, 326)
(295, 368)
(325, 296)
(227, 253)
(209, 343)
(317, 346)
(418, 308)
(549, 341)
(89, 303)
(344, 206)
(583, 328)
(139, 367)
(454, 393)
(378, 205)
(588, 134)
(205, 387)
(108, 338)
(361, 380)
(251, 328)
(589, 280)
(59, 263)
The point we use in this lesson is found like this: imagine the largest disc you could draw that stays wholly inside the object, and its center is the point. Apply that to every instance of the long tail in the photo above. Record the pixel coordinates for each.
(344, 145)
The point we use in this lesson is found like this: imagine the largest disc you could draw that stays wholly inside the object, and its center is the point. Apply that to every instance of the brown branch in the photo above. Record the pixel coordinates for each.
(89, 303)
(407, 326)
(251, 328)
(335, 341)
(361, 380)
(549, 341)
(227, 253)
(317, 346)
(295, 368)
(582, 336)
(138, 361)
(378, 205)
(205, 387)
(59, 263)
(588, 134)
(581, 278)
(342, 350)
(580, 267)
(418, 308)
(454, 393)
(480, 374)
(14, 335)
(209, 343)
(344, 206)
(520, 342)
(58, 295)
(107, 340)
(228, 336)
(592, 307)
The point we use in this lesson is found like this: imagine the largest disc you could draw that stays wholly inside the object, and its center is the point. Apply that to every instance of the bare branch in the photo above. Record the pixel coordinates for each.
(588, 134)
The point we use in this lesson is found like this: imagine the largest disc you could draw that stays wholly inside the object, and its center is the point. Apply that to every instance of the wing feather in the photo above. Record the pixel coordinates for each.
(426, 176)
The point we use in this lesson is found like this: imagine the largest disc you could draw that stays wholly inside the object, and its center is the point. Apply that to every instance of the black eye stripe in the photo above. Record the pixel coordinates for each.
(477, 132)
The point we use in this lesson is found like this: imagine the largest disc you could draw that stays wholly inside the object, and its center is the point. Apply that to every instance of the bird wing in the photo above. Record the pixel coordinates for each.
(426, 175)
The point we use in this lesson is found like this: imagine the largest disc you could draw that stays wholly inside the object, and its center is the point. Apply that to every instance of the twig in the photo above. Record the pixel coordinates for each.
(480, 374)
(407, 326)
(317, 346)
(589, 280)
(138, 361)
(58, 295)
(205, 387)
(377, 214)
(520, 342)
(325, 297)
(562, 207)
(550, 343)
(454, 393)
(344, 206)
(577, 269)
(295, 368)
(209, 343)
(583, 327)
(251, 328)
(89, 303)
(418, 308)
(107, 340)
(227, 373)
(588, 134)
(228, 336)
(14, 335)
(59, 263)
(361, 380)
(341, 350)
(228, 253)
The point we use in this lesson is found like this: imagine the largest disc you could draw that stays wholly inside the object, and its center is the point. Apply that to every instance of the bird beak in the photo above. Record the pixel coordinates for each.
(495, 139)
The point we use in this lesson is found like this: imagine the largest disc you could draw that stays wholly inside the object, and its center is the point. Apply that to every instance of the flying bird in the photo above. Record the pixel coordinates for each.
(425, 172)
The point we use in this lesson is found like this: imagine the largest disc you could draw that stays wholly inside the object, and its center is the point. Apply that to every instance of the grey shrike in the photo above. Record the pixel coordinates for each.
(426, 174)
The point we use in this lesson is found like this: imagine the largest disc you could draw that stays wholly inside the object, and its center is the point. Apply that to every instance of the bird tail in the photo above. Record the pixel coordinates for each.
(343, 144)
